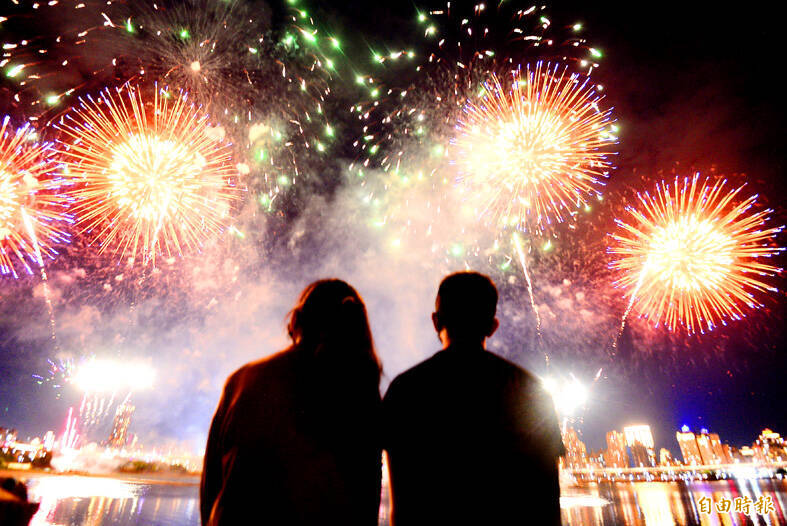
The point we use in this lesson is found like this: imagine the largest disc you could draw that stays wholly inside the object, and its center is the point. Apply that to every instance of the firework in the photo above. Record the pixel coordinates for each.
(568, 394)
(32, 209)
(102, 376)
(691, 254)
(148, 178)
(417, 131)
(403, 121)
(58, 375)
(265, 86)
(534, 147)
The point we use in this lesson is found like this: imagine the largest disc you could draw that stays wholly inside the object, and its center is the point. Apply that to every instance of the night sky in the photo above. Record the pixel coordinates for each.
(695, 87)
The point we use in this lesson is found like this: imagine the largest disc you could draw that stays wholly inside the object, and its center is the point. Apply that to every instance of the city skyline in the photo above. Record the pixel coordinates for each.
(635, 447)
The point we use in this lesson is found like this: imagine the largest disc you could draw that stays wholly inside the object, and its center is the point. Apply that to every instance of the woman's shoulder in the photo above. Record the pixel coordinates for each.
(271, 366)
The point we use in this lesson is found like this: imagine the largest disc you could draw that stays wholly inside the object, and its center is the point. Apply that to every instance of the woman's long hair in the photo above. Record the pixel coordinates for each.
(330, 321)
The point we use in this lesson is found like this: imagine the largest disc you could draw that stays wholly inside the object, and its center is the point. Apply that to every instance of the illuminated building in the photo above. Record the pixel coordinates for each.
(727, 453)
(119, 436)
(49, 440)
(640, 435)
(575, 457)
(747, 454)
(10, 435)
(688, 447)
(596, 459)
(665, 457)
(720, 454)
(705, 447)
(640, 456)
(772, 446)
(616, 455)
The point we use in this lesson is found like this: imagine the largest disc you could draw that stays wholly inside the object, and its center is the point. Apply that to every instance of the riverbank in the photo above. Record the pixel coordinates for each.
(172, 479)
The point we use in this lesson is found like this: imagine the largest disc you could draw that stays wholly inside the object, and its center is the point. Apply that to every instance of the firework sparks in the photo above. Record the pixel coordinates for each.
(31, 207)
(101, 376)
(568, 394)
(414, 132)
(149, 178)
(692, 254)
(533, 148)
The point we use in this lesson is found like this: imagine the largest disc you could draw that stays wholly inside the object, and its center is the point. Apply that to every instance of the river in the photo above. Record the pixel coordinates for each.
(98, 501)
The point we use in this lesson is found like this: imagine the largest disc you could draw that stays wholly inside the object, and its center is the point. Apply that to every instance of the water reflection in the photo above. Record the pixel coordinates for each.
(95, 501)
(676, 504)
(98, 501)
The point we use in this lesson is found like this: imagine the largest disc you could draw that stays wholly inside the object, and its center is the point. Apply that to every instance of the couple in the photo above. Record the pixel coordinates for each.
(297, 436)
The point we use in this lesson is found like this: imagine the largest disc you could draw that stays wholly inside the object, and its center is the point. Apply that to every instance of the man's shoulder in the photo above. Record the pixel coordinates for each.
(446, 360)
(510, 367)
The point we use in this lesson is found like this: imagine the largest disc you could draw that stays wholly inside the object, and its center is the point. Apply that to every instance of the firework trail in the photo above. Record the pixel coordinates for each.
(149, 178)
(33, 210)
(30, 229)
(691, 254)
(521, 254)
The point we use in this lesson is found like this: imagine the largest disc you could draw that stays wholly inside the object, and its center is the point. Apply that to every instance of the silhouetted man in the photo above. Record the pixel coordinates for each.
(471, 437)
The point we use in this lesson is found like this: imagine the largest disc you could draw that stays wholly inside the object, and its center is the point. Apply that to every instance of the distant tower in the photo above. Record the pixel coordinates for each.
(119, 436)
(689, 447)
(639, 440)
(772, 446)
(616, 456)
(576, 452)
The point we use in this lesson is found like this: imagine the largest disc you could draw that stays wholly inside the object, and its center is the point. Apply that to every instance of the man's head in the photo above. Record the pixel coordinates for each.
(465, 308)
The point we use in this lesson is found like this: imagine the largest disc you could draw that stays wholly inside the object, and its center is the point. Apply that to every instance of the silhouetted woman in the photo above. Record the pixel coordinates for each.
(295, 437)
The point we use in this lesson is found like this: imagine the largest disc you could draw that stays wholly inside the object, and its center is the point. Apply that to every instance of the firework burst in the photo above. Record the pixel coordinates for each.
(534, 147)
(691, 254)
(420, 134)
(32, 210)
(148, 178)
(265, 86)
(461, 54)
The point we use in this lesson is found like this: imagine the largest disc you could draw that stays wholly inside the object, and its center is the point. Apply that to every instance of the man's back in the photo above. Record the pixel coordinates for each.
(471, 437)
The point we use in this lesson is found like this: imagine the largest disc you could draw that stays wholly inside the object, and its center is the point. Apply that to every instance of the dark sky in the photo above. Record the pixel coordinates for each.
(694, 85)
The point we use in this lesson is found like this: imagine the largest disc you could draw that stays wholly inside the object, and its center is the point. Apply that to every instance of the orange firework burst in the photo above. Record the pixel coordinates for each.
(31, 209)
(531, 150)
(692, 254)
(151, 178)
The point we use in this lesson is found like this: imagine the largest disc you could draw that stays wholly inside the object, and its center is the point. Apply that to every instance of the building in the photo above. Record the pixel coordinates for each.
(119, 436)
(665, 458)
(616, 455)
(747, 455)
(727, 453)
(772, 446)
(688, 447)
(576, 456)
(640, 456)
(706, 448)
(720, 451)
(642, 435)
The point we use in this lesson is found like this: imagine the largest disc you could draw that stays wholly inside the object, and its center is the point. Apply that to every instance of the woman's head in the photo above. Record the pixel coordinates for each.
(330, 319)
